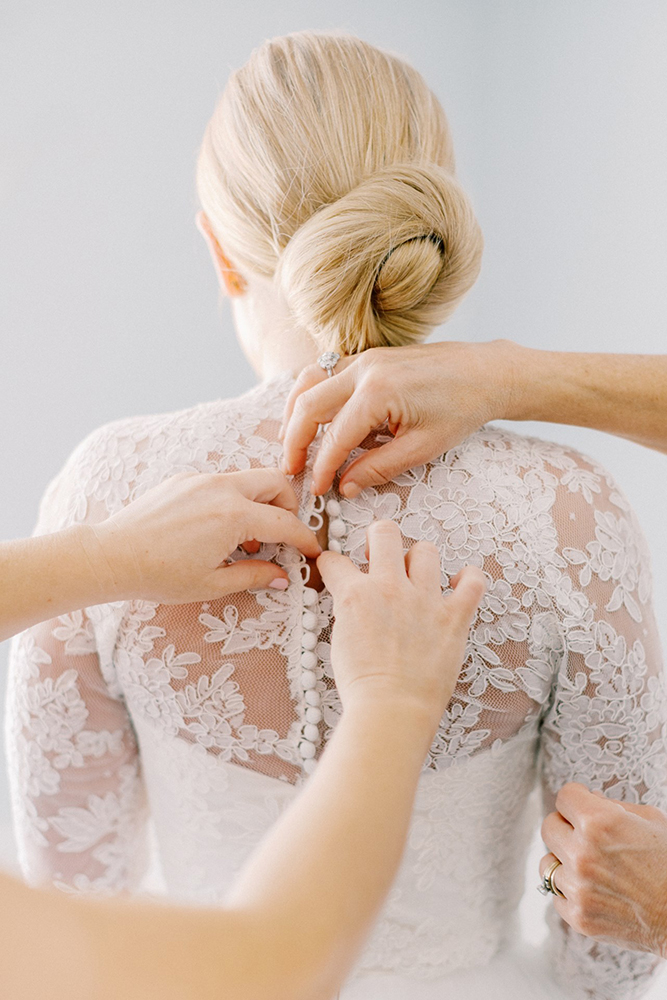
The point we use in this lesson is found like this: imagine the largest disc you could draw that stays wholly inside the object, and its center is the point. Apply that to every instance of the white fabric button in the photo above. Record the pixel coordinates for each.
(306, 749)
(333, 508)
(313, 715)
(308, 659)
(313, 698)
(335, 546)
(309, 595)
(309, 620)
(308, 679)
(309, 640)
(311, 733)
(337, 528)
(309, 765)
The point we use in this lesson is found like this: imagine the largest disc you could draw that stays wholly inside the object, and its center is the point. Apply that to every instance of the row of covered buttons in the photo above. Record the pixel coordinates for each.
(310, 733)
(336, 525)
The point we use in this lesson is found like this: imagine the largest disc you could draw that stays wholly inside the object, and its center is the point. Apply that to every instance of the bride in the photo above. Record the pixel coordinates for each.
(177, 735)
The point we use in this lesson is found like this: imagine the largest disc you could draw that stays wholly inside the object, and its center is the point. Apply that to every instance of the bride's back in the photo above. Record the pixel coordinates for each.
(215, 711)
(327, 172)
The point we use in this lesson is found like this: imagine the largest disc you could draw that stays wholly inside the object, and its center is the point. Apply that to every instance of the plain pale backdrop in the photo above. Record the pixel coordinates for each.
(108, 305)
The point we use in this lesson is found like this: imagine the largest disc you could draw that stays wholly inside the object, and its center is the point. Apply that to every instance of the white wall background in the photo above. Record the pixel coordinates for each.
(108, 306)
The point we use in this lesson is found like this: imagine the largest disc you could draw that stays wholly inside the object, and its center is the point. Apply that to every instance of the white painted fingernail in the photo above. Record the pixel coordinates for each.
(350, 490)
(280, 583)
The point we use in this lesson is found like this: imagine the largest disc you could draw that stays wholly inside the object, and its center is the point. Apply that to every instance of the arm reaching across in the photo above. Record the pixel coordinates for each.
(169, 545)
(434, 395)
(343, 836)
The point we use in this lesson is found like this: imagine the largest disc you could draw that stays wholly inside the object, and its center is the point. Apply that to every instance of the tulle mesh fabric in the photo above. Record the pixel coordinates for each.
(134, 710)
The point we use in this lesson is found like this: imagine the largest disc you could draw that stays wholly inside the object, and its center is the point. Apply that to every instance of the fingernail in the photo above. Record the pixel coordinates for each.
(350, 490)
(280, 583)
(281, 432)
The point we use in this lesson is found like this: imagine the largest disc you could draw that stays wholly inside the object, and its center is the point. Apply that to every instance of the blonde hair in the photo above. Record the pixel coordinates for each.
(328, 166)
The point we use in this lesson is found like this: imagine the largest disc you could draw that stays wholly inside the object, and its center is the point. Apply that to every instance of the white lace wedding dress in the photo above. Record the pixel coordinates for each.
(198, 723)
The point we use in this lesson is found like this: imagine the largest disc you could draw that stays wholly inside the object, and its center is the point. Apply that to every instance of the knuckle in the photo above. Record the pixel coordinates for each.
(377, 379)
(305, 376)
(332, 435)
(300, 411)
(302, 406)
(374, 473)
(367, 360)
(596, 825)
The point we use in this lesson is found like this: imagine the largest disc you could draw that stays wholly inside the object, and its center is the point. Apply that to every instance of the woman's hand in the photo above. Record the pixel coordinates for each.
(170, 544)
(614, 868)
(396, 638)
(432, 396)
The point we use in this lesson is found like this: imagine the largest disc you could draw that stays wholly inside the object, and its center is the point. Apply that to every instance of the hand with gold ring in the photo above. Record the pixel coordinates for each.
(607, 868)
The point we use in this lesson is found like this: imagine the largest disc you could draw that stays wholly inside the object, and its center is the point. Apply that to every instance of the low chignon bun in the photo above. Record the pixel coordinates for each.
(385, 263)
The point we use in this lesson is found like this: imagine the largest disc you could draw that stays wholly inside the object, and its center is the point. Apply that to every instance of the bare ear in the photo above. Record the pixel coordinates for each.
(232, 282)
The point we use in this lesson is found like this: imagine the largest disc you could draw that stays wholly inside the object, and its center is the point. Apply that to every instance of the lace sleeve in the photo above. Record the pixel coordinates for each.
(77, 795)
(605, 724)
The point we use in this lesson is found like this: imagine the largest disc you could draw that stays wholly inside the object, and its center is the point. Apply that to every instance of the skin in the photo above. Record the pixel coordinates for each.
(170, 545)
(397, 650)
(613, 869)
(435, 395)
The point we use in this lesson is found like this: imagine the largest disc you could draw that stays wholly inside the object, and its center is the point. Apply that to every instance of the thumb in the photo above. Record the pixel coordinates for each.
(469, 589)
(249, 574)
(380, 465)
(336, 571)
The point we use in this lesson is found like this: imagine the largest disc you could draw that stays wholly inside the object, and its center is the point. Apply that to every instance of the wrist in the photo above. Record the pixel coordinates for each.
(511, 370)
(102, 549)
(396, 712)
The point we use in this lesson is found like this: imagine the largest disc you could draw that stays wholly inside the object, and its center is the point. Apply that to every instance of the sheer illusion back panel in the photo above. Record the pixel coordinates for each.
(119, 702)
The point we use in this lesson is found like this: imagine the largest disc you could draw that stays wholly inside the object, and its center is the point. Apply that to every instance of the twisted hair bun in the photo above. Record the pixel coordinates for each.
(386, 262)
(328, 167)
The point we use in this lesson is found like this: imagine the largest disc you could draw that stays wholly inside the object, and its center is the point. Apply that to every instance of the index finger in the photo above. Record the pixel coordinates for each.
(312, 407)
(273, 524)
(306, 379)
(350, 426)
(266, 486)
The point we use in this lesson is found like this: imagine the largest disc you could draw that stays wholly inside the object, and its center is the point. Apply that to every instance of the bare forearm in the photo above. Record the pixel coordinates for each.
(299, 912)
(623, 394)
(324, 871)
(50, 575)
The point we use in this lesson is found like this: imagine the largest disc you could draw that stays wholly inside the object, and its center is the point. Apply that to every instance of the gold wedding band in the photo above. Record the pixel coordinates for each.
(547, 885)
